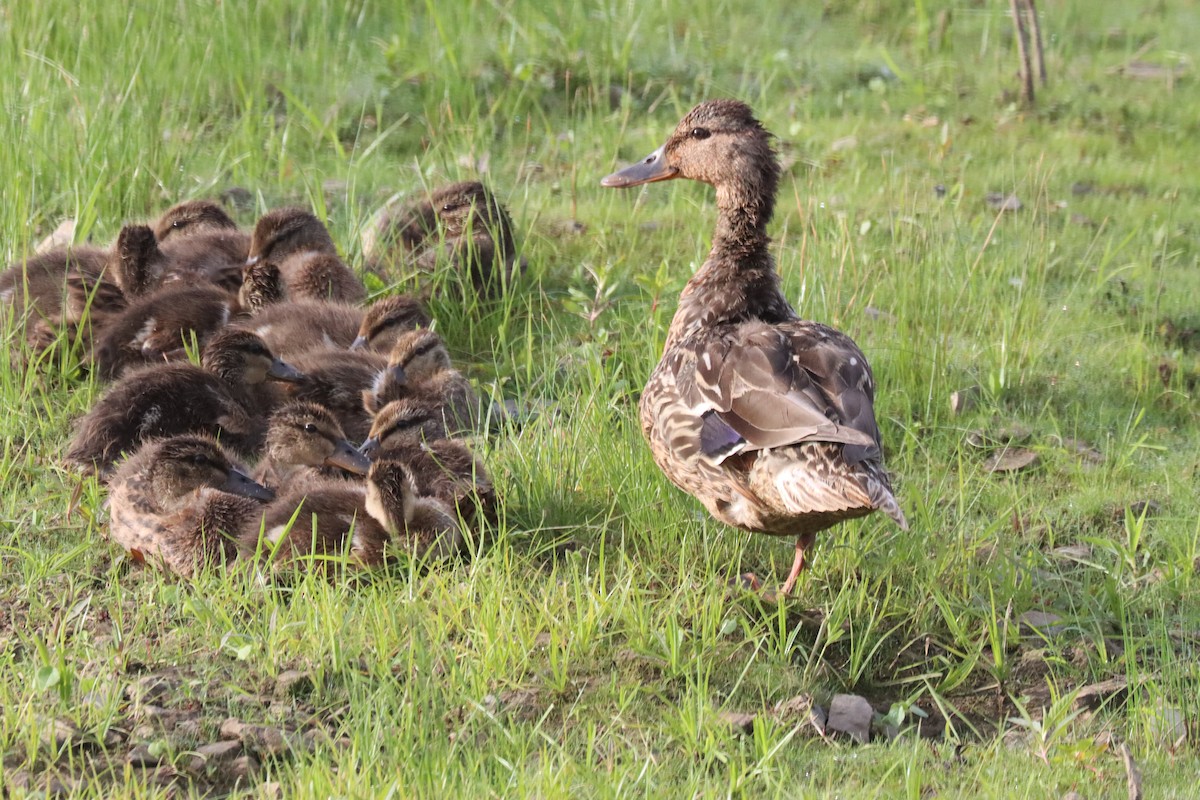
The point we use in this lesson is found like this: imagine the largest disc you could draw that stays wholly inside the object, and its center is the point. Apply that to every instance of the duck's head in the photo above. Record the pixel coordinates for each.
(391, 492)
(241, 356)
(192, 216)
(718, 142)
(469, 207)
(284, 231)
(181, 465)
(418, 355)
(402, 422)
(308, 434)
(262, 285)
(387, 318)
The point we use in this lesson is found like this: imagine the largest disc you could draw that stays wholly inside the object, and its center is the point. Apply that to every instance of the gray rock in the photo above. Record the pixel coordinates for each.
(293, 683)
(851, 714)
(739, 721)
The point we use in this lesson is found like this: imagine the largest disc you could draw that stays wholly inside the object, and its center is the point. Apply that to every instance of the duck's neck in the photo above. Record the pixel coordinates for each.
(738, 280)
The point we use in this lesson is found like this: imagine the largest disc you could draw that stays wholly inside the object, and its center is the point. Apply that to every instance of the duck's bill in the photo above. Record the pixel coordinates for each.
(282, 371)
(360, 343)
(652, 168)
(241, 484)
(369, 448)
(349, 459)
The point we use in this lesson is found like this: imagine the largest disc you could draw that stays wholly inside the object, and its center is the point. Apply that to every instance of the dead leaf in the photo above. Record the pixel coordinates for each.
(1133, 775)
(1011, 460)
(62, 236)
(964, 400)
(1042, 622)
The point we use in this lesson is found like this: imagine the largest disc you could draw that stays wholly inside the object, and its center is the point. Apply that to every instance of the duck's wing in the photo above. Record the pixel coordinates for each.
(757, 386)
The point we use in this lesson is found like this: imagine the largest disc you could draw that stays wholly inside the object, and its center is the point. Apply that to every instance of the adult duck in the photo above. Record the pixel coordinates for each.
(766, 418)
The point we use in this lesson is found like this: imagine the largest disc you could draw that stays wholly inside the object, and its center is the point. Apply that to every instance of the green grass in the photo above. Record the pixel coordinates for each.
(591, 647)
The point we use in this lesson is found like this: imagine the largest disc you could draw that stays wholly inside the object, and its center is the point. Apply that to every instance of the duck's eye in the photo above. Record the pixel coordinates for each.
(700, 133)
(199, 459)
(177, 223)
(310, 428)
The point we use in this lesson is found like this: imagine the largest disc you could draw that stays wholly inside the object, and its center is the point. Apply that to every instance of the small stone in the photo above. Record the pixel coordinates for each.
(149, 690)
(851, 714)
(739, 721)
(232, 728)
(964, 400)
(998, 201)
(141, 756)
(1094, 695)
(61, 733)
(293, 683)
(189, 729)
(1011, 459)
(244, 767)
(265, 740)
(1042, 622)
(219, 751)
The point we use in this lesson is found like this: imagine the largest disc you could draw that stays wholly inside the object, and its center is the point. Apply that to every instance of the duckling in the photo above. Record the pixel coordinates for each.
(398, 230)
(158, 326)
(304, 443)
(412, 431)
(419, 366)
(423, 525)
(142, 263)
(474, 232)
(336, 380)
(218, 398)
(284, 232)
(293, 327)
(190, 217)
(388, 318)
(38, 291)
(262, 285)
(764, 417)
(178, 502)
(316, 525)
(321, 276)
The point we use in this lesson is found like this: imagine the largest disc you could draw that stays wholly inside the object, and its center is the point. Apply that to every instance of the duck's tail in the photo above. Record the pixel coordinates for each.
(883, 499)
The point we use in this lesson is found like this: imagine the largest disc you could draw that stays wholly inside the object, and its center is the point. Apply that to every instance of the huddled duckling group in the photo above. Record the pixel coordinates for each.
(766, 418)
(293, 371)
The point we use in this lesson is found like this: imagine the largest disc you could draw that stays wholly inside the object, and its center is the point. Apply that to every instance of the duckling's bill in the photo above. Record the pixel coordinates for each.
(653, 167)
(282, 371)
(349, 459)
(241, 484)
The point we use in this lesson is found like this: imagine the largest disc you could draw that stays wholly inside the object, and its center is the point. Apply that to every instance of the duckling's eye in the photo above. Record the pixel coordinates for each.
(310, 428)
(199, 459)
(700, 133)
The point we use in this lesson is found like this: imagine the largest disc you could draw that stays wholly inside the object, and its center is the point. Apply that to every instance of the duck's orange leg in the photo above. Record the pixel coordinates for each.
(803, 542)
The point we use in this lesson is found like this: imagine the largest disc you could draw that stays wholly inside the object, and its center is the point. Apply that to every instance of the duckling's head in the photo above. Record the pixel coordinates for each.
(262, 285)
(419, 354)
(402, 422)
(718, 142)
(308, 434)
(136, 262)
(240, 356)
(387, 318)
(391, 492)
(285, 231)
(192, 216)
(181, 465)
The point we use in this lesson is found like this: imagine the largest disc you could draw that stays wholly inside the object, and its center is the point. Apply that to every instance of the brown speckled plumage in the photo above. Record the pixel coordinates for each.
(170, 399)
(764, 417)
(419, 367)
(191, 217)
(305, 443)
(179, 502)
(412, 432)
